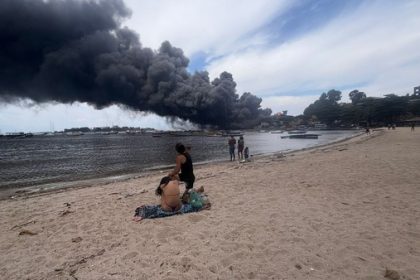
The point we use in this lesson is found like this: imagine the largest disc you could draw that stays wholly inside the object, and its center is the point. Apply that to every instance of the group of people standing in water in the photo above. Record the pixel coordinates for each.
(243, 152)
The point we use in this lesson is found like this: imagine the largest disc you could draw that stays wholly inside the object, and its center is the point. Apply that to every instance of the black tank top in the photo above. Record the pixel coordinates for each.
(187, 166)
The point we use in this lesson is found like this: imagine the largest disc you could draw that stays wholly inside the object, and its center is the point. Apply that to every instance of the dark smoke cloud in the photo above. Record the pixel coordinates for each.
(76, 51)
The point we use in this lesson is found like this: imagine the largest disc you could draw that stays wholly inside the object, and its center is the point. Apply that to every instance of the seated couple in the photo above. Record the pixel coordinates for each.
(171, 202)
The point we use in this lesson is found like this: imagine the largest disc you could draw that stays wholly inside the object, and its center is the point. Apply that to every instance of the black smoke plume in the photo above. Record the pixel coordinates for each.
(76, 51)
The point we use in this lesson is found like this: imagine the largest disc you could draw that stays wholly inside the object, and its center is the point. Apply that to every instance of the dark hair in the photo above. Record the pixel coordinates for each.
(180, 148)
(164, 181)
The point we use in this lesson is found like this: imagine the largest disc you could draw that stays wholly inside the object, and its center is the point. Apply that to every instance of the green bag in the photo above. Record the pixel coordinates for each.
(196, 200)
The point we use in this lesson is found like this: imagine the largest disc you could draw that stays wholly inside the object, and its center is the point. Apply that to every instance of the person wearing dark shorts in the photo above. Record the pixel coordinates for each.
(241, 144)
(232, 143)
(184, 169)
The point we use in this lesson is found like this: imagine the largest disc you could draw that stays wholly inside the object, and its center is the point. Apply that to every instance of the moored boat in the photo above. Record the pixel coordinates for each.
(301, 136)
(297, 132)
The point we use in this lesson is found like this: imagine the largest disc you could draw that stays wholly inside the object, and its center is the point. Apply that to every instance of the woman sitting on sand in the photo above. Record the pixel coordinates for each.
(170, 203)
(169, 191)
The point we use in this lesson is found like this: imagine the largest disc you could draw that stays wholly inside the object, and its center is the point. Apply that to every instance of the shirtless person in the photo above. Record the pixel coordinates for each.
(170, 201)
(169, 191)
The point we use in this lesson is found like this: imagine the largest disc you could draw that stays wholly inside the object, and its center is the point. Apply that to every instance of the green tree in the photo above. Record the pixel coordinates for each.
(356, 96)
(326, 108)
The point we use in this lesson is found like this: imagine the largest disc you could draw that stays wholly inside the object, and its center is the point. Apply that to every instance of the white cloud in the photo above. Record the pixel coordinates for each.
(215, 27)
(294, 105)
(376, 46)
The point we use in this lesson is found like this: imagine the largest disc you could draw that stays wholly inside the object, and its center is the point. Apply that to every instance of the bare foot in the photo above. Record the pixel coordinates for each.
(137, 218)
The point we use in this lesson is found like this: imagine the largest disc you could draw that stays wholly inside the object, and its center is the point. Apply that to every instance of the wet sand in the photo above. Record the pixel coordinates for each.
(344, 211)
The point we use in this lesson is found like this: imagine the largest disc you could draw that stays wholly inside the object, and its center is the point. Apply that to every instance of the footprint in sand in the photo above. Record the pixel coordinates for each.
(130, 255)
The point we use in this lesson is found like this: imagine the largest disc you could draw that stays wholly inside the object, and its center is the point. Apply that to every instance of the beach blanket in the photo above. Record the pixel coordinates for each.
(155, 211)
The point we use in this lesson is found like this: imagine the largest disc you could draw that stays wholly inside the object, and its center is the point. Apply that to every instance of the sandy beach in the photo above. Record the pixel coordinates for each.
(344, 211)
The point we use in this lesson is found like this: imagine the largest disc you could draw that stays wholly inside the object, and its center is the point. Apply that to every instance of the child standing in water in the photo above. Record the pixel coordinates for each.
(246, 153)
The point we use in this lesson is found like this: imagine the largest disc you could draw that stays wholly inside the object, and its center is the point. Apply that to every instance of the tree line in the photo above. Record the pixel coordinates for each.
(362, 110)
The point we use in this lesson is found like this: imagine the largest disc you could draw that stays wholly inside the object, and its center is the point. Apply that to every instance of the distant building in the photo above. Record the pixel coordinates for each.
(417, 91)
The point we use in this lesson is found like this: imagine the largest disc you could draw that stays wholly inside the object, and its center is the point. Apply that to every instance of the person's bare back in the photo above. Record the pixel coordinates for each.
(170, 200)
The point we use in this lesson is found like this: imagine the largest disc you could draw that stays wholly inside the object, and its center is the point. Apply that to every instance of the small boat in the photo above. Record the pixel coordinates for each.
(301, 136)
(74, 133)
(234, 133)
(15, 135)
(276, 131)
(297, 132)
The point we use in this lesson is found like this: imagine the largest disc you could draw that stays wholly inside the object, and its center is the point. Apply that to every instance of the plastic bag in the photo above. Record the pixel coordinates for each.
(196, 200)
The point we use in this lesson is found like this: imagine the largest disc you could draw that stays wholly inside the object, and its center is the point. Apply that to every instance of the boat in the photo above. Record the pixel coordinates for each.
(74, 133)
(296, 132)
(301, 136)
(233, 133)
(276, 131)
(214, 135)
(16, 135)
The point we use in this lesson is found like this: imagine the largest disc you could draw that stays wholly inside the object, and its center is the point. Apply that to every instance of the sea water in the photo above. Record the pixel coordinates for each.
(43, 160)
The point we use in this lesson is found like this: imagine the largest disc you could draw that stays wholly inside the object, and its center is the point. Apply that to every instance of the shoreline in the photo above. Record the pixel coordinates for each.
(344, 211)
(35, 190)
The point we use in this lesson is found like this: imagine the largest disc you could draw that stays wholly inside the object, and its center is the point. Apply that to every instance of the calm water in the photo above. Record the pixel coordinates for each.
(41, 160)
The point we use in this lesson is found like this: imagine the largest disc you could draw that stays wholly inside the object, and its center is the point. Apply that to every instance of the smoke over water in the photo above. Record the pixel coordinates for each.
(76, 51)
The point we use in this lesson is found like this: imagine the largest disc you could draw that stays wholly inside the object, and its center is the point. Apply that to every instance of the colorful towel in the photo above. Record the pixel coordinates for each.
(155, 211)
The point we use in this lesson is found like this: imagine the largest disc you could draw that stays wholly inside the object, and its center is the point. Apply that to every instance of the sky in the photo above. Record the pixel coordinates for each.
(286, 52)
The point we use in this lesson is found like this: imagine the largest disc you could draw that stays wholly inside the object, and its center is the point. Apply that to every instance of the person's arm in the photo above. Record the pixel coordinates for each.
(178, 161)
